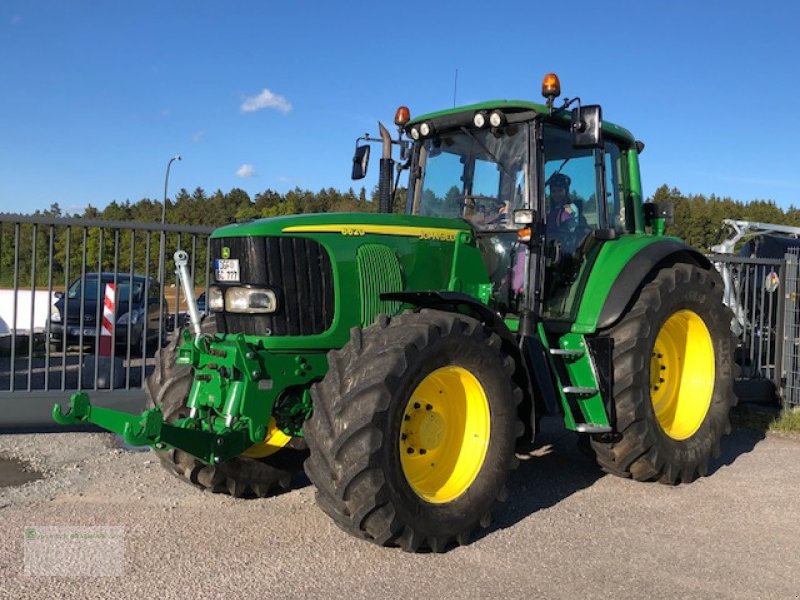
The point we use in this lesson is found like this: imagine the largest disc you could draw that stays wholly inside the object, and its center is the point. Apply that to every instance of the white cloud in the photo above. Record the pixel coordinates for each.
(198, 136)
(266, 99)
(246, 170)
(284, 180)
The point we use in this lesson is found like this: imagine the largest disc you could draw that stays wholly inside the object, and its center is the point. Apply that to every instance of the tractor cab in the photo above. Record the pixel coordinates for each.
(533, 181)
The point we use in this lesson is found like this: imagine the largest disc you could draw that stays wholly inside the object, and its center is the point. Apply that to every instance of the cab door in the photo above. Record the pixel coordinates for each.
(578, 220)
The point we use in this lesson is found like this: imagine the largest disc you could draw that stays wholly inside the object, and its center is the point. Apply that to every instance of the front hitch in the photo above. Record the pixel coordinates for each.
(239, 394)
(149, 429)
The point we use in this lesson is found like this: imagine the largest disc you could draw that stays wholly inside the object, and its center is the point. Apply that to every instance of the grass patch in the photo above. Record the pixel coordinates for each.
(765, 418)
(787, 422)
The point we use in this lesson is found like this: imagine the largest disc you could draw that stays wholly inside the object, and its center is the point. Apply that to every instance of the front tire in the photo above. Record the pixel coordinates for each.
(673, 379)
(413, 431)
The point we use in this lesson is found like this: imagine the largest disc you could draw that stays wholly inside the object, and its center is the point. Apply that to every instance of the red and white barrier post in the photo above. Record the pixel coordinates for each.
(107, 325)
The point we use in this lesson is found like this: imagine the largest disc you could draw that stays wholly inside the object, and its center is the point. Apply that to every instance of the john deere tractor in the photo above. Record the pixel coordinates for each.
(407, 358)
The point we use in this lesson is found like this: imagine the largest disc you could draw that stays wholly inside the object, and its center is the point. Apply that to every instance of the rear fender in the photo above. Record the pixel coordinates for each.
(622, 268)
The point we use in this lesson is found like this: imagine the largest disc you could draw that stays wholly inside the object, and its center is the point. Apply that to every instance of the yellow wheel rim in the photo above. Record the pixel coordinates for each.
(273, 441)
(444, 435)
(682, 374)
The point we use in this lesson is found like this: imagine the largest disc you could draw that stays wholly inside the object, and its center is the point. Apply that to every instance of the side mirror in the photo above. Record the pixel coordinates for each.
(660, 210)
(587, 130)
(360, 162)
(58, 295)
(666, 210)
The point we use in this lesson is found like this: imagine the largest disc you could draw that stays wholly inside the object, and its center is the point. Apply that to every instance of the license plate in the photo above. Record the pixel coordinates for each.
(76, 331)
(226, 269)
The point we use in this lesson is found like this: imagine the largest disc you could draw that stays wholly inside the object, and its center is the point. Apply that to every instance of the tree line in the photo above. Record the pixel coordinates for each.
(698, 220)
(138, 252)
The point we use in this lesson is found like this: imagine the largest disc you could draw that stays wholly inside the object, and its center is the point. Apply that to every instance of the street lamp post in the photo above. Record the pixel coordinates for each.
(161, 259)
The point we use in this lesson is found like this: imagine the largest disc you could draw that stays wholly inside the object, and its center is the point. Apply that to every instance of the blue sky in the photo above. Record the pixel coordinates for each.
(95, 97)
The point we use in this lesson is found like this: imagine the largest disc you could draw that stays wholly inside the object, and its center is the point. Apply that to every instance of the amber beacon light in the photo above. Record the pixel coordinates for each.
(551, 88)
(402, 116)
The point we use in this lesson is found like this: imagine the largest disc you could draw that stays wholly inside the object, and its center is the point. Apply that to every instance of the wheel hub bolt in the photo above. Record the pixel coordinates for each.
(410, 451)
(429, 407)
(416, 405)
(422, 451)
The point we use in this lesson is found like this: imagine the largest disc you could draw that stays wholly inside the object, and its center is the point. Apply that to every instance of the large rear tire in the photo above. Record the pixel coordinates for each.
(168, 387)
(413, 431)
(673, 379)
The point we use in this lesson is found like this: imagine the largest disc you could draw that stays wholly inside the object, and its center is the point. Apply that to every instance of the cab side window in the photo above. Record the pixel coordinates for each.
(572, 187)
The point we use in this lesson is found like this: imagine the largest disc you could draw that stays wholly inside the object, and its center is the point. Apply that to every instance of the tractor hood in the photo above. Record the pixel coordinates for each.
(348, 224)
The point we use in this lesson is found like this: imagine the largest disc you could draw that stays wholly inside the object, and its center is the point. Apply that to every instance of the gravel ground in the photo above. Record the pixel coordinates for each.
(567, 531)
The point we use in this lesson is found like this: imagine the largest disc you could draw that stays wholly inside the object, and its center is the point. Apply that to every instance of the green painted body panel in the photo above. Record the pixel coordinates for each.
(635, 185)
(276, 225)
(426, 263)
(610, 128)
(613, 257)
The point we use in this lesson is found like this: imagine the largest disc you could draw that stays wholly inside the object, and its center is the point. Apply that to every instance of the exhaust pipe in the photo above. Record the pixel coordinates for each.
(385, 195)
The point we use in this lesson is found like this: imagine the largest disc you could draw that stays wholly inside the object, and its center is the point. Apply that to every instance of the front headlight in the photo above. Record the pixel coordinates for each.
(250, 300)
(55, 314)
(134, 316)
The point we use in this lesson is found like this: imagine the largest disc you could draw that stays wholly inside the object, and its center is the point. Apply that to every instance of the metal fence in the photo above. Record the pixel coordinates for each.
(53, 277)
(753, 291)
(791, 331)
(50, 269)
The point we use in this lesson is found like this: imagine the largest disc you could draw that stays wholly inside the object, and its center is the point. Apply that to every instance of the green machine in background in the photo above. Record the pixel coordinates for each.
(407, 358)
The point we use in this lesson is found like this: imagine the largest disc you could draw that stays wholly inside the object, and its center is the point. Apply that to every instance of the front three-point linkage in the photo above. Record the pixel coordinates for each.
(230, 401)
(227, 412)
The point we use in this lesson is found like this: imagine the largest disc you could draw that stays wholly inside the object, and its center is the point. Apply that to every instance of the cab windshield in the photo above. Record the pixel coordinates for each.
(476, 174)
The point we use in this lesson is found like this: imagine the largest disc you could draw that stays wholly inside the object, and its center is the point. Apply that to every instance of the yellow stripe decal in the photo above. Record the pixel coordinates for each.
(425, 233)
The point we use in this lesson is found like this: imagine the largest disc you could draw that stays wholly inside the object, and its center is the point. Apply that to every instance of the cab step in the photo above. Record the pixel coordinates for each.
(592, 428)
(569, 354)
(580, 391)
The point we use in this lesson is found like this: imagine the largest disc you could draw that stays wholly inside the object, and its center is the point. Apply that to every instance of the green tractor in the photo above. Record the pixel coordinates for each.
(407, 358)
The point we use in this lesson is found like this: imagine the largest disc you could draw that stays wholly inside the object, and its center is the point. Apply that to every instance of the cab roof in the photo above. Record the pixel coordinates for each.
(513, 106)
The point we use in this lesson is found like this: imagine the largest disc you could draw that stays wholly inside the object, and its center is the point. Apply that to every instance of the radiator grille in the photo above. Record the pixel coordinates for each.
(298, 269)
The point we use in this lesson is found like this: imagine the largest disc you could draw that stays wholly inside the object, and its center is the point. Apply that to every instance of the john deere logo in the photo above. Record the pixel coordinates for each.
(226, 252)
